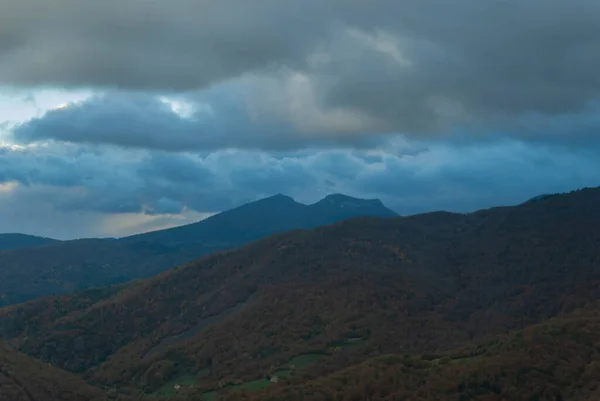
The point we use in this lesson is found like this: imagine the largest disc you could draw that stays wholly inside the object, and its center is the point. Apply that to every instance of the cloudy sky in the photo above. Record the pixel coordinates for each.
(120, 116)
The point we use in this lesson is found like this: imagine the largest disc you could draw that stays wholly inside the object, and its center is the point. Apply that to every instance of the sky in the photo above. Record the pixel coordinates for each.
(123, 116)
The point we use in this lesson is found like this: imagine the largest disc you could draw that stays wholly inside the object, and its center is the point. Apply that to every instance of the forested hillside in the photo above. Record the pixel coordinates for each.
(87, 263)
(309, 303)
(18, 241)
(24, 379)
(555, 360)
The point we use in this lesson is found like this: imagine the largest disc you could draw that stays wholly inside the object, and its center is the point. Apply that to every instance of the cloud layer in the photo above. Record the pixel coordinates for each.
(409, 178)
(190, 107)
(410, 66)
(224, 117)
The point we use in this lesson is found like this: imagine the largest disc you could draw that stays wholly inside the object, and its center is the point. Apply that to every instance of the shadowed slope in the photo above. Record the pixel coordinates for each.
(17, 241)
(25, 379)
(556, 360)
(74, 265)
(422, 283)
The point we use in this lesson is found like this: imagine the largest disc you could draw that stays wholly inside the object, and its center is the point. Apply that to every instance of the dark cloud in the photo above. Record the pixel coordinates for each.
(33, 210)
(230, 117)
(410, 66)
(177, 45)
(206, 105)
(220, 118)
(438, 62)
(108, 182)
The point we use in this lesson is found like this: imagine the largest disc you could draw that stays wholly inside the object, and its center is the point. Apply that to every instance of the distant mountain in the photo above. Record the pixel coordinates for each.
(17, 241)
(305, 305)
(265, 217)
(73, 265)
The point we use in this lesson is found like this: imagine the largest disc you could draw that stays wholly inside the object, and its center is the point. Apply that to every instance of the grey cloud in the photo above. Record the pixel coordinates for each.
(268, 176)
(440, 176)
(165, 206)
(467, 177)
(33, 210)
(221, 119)
(174, 45)
(129, 181)
(409, 66)
(471, 65)
(123, 120)
(175, 168)
(340, 164)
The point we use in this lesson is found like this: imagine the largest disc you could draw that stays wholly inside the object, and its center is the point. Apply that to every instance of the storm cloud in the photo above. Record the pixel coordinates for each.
(412, 67)
(75, 179)
(220, 118)
(159, 113)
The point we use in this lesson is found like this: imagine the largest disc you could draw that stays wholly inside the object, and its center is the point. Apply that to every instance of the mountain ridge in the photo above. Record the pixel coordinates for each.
(79, 264)
(10, 241)
(340, 293)
(278, 203)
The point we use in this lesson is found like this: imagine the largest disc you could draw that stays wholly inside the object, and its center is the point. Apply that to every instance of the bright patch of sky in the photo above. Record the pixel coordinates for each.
(180, 107)
(18, 106)
(116, 225)
(7, 187)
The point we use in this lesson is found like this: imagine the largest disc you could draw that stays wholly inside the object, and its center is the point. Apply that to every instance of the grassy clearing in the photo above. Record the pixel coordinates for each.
(303, 360)
(348, 344)
(168, 389)
(453, 361)
(296, 363)
(253, 385)
(462, 361)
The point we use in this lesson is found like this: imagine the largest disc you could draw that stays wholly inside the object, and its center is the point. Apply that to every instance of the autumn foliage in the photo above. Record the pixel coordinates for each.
(429, 307)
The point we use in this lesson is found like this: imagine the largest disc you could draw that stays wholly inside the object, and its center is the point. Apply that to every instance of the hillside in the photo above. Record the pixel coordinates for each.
(265, 217)
(556, 360)
(75, 265)
(18, 241)
(25, 379)
(330, 297)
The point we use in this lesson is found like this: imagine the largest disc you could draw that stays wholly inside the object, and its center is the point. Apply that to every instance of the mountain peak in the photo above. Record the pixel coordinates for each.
(345, 201)
(353, 206)
(270, 201)
(279, 197)
(342, 199)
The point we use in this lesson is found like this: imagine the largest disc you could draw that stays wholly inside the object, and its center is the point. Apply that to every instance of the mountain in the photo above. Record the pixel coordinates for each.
(24, 379)
(305, 305)
(264, 217)
(16, 241)
(74, 265)
(555, 360)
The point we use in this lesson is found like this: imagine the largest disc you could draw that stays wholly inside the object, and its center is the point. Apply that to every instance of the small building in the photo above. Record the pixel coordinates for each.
(274, 379)
(177, 387)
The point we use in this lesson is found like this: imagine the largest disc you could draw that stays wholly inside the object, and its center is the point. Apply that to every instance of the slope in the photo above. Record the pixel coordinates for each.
(556, 360)
(25, 379)
(265, 217)
(17, 241)
(339, 294)
(74, 265)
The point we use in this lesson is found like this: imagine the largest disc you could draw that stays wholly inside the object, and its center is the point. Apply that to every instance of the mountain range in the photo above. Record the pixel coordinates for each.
(19, 241)
(500, 304)
(55, 267)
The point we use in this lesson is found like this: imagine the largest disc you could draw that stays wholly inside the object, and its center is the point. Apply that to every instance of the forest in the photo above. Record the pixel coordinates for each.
(499, 304)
